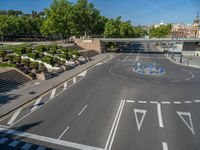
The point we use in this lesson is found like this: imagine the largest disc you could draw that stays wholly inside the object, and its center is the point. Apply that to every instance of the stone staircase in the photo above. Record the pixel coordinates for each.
(11, 79)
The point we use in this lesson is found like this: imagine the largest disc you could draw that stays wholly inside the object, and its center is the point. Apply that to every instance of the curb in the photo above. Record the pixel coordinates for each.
(191, 66)
(31, 100)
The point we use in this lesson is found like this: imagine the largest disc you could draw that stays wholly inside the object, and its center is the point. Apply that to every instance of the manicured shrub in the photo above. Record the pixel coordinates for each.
(20, 50)
(33, 55)
(48, 60)
(40, 48)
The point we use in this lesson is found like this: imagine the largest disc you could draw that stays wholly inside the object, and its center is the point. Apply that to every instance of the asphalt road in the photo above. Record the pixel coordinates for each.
(112, 107)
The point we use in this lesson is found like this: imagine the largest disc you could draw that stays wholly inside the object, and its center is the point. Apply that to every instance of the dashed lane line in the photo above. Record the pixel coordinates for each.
(187, 102)
(165, 146)
(166, 102)
(130, 101)
(63, 132)
(197, 101)
(48, 139)
(177, 102)
(82, 110)
(160, 120)
(142, 102)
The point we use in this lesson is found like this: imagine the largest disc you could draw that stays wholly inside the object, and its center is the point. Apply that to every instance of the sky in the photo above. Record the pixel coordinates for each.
(140, 12)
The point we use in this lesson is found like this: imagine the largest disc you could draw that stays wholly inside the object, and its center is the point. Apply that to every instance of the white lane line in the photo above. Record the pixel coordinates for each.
(153, 102)
(65, 85)
(166, 102)
(137, 58)
(197, 101)
(187, 79)
(63, 133)
(126, 58)
(14, 143)
(187, 102)
(53, 93)
(130, 101)
(48, 139)
(116, 126)
(26, 146)
(176, 102)
(165, 146)
(74, 80)
(113, 126)
(142, 102)
(41, 148)
(82, 110)
(35, 106)
(3, 140)
(160, 120)
(12, 119)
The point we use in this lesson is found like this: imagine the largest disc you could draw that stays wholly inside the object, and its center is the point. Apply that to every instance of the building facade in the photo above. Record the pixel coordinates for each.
(186, 31)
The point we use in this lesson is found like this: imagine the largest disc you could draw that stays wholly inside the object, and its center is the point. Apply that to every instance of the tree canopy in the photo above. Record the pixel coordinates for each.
(161, 31)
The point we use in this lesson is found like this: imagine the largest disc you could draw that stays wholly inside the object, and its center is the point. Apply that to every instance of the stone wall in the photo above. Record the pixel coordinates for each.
(90, 44)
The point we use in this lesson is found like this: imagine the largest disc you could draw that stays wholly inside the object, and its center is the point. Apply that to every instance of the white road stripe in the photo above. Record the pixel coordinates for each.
(116, 125)
(12, 119)
(82, 110)
(63, 133)
(74, 80)
(3, 140)
(176, 102)
(153, 102)
(187, 102)
(65, 85)
(41, 148)
(142, 102)
(48, 139)
(14, 143)
(166, 102)
(113, 126)
(130, 101)
(165, 146)
(53, 93)
(160, 120)
(197, 101)
(26, 146)
(35, 106)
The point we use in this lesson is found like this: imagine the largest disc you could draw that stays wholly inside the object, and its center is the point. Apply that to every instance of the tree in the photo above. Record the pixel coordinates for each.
(58, 21)
(112, 28)
(84, 17)
(126, 29)
(161, 31)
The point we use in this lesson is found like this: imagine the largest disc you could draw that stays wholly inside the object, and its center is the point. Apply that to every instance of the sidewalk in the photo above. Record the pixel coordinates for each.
(193, 61)
(18, 97)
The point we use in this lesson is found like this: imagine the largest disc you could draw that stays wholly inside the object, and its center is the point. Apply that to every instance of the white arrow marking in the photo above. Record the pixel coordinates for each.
(188, 124)
(83, 73)
(139, 123)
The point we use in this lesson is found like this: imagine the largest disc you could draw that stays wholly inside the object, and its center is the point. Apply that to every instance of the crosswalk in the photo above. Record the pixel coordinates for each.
(12, 144)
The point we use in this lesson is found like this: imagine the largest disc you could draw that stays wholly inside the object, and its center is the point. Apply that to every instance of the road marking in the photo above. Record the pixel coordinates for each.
(12, 119)
(165, 146)
(166, 102)
(197, 101)
(176, 102)
(41, 148)
(114, 126)
(3, 140)
(137, 58)
(65, 85)
(74, 80)
(36, 105)
(26, 146)
(142, 102)
(53, 93)
(48, 139)
(130, 101)
(139, 123)
(82, 110)
(187, 102)
(63, 133)
(160, 120)
(188, 124)
(187, 79)
(153, 102)
(126, 58)
(82, 74)
(14, 143)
